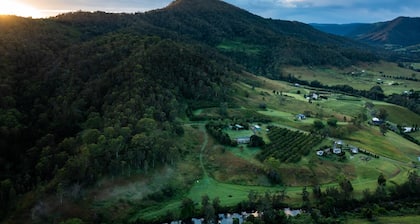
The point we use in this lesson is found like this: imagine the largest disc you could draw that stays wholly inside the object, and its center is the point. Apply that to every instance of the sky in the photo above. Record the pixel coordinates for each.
(307, 11)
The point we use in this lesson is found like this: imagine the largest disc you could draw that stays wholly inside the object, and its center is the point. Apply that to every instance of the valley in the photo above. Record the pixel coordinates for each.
(230, 173)
(201, 108)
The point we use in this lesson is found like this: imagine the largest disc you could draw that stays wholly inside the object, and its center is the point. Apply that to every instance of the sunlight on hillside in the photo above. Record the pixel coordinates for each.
(13, 7)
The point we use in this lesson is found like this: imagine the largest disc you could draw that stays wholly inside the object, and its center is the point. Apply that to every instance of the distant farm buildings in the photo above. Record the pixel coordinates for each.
(377, 121)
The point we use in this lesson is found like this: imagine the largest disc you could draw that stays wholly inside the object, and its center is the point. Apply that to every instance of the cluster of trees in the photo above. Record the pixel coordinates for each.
(288, 146)
(215, 129)
(410, 100)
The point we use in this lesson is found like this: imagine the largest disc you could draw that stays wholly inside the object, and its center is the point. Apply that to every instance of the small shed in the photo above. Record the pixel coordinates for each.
(376, 121)
(320, 153)
(293, 213)
(408, 129)
(243, 140)
(336, 150)
(238, 127)
(300, 117)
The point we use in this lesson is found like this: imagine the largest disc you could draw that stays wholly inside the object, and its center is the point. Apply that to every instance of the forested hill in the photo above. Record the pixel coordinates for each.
(87, 95)
(78, 106)
(262, 45)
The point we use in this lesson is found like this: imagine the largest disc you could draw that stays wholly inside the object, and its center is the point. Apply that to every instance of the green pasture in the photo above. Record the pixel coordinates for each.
(399, 115)
(390, 68)
(229, 195)
(277, 114)
(332, 76)
(368, 171)
(232, 194)
(391, 145)
(416, 135)
(351, 108)
(287, 120)
(238, 133)
(366, 76)
(416, 66)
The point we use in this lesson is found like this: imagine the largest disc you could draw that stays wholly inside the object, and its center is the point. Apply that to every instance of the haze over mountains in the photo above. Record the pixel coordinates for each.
(402, 31)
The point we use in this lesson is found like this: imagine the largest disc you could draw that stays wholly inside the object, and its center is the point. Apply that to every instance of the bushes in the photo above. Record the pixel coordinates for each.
(216, 130)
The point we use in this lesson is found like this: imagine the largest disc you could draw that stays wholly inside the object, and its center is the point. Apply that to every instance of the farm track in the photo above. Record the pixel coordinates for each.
(203, 147)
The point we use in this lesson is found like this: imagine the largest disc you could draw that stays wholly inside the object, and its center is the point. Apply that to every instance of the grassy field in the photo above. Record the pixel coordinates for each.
(361, 77)
(391, 145)
(398, 114)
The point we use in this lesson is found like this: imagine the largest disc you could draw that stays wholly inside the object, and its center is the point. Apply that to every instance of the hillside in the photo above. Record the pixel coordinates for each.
(272, 42)
(261, 45)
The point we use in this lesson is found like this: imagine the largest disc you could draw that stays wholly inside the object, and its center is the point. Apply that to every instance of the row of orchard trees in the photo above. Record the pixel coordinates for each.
(288, 146)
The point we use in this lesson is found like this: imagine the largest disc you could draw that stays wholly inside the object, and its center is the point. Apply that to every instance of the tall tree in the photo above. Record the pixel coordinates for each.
(381, 180)
(187, 210)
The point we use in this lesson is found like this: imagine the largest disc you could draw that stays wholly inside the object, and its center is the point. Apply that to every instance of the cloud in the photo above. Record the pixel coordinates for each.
(331, 11)
(323, 11)
(102, 5)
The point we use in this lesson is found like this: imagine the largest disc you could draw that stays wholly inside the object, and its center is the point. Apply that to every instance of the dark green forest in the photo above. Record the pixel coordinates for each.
(86, 95)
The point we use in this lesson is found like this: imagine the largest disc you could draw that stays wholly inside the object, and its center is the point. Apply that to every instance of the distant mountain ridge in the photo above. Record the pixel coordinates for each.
(403, 31)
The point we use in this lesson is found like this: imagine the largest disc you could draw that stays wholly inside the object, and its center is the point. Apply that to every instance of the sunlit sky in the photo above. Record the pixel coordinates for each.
(308, 11)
